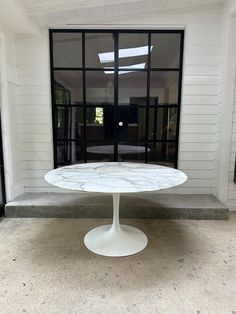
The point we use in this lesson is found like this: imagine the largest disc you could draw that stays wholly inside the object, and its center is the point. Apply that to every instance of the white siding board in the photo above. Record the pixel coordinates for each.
(201, 80)
(33, 91)
(35, 147)
(197, 147)
(33, 80)
(198, 138)
(194, 165)
(34, 118)
(36, 164)
(37, 156)
(36, 128)
(204, 50)
(200, 100)
(199, 119)
(36, 109)
(198, 128)
(34, 137)
(202, 60)
(201, 90)
(33, 100)
(232, 195)
(195, 109)
(199, 174)
(33, 174)
(197, 156)
(201, 70)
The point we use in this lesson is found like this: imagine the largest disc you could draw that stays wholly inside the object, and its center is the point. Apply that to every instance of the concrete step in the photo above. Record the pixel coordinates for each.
(94, 205)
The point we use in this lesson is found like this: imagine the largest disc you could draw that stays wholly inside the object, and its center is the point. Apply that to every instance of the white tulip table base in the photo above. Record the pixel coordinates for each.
(115, 240)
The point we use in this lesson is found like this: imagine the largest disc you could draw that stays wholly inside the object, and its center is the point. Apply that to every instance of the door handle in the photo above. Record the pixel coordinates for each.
(120, 123)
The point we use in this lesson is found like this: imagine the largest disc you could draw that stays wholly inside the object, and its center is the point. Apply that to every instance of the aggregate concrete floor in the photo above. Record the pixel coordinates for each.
(189, 266)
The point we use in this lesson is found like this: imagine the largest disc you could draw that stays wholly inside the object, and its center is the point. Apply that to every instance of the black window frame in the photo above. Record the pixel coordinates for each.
(83, 69)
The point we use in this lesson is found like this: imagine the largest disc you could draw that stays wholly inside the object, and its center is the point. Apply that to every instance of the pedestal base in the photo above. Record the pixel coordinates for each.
(108, 241)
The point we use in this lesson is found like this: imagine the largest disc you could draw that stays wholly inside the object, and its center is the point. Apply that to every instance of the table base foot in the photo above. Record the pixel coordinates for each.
(106, 241)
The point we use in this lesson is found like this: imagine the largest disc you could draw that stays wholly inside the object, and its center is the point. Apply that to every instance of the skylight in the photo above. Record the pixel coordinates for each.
(127, 67)
(106, 57)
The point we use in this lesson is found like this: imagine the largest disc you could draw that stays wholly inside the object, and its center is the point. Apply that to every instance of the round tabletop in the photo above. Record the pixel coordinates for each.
(122, 149)
(115, 177)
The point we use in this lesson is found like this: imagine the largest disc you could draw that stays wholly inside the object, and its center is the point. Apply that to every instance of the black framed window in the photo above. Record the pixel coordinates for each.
(116, 95)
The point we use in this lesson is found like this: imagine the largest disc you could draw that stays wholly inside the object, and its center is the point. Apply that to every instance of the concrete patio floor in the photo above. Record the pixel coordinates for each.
(189, 266)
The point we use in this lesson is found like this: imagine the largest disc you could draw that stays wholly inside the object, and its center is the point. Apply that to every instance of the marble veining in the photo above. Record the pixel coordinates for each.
(115, 177)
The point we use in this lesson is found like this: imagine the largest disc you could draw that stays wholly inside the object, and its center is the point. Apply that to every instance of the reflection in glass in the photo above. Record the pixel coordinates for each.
(132, 84)
(95, 45)
(68, 87)
(133, 49)
(99, 88)
(132, 122)
(164, 86)
(67, 50)
(162, 153)
(97, 151)
(128, 152)
(69, 152)
(69, 123)
(166, 49)
(100, 123)
(162, 123)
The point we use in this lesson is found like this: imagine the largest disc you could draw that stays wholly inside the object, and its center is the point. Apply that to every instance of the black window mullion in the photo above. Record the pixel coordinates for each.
(116, 95)
(84, 97)
(54, 111)
(179, 96)
(148, 96)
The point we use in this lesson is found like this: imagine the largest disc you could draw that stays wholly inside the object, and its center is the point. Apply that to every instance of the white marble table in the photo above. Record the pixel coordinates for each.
(115, 178)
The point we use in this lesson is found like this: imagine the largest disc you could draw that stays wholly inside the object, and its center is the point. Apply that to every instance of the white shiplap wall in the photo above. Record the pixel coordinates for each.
(232, 185)
(9, 114)
(34, 111)
(200, 102)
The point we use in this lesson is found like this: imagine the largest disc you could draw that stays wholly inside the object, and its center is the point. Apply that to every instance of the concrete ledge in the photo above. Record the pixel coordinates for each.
(93, 205)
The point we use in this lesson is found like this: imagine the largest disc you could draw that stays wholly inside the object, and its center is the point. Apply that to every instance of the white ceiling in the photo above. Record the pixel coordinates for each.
(59, 12)
(30, 16)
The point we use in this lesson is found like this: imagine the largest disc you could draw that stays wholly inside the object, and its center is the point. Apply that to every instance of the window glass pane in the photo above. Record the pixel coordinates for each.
(97, 151)
(67, 50)
(70, 123)
(68, 87)
(162, 123)
(100, 123)
(69, 152)
(164, 86)
(162, 154)
(99, 87)
(131, 85)
(133, 50)
(99, 50)
(131, 124)
(128, 152)
(166, 50)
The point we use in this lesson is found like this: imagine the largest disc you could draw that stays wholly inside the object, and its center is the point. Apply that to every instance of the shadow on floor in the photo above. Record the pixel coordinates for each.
(57, 246)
